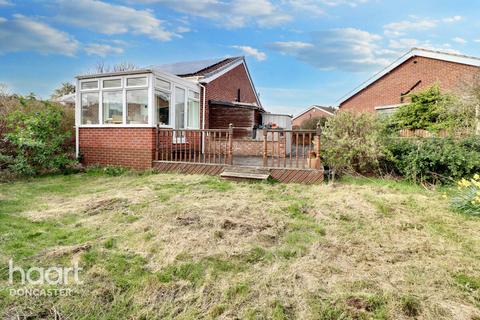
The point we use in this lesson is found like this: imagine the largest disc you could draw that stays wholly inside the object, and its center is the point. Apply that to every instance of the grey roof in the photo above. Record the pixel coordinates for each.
(196, 68)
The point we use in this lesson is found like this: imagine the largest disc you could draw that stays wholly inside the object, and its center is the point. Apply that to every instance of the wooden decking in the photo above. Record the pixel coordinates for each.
(287, 155)
(285, 175)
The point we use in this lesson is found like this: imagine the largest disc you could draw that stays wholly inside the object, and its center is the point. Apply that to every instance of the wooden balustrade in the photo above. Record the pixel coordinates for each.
(294, 149)
(291, 148)
(192, 145)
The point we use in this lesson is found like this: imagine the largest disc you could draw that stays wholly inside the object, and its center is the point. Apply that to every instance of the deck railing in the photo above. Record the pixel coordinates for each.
(194, 145)
(296, 149)
(291, 148)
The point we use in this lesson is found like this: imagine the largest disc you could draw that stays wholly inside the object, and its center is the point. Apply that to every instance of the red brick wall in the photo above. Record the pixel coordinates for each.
(226, 86)
(313, 113)
(129, 147)
(386, 91)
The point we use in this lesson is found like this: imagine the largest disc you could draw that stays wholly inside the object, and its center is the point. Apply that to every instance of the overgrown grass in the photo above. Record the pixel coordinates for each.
(188, 247)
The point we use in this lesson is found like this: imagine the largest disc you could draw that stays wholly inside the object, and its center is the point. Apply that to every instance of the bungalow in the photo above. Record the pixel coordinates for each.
(117, 113)
(416, 70)
(311, 113)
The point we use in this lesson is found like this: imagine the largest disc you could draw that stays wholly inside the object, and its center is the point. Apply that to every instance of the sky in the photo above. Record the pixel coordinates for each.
(299, 52)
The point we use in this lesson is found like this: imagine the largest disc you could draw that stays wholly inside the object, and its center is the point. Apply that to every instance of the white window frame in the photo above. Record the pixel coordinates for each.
(151, 76)
(186, 108)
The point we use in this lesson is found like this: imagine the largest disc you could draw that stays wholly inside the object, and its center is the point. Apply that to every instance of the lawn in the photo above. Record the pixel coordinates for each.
(158, 246)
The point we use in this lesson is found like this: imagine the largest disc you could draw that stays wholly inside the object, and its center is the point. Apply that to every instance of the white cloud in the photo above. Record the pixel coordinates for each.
(182, 29)
(402, 45)
(346, 49)
(289, 47)
(452, 19)
(232, 14)
(459, 40)
(476, 40)
(111, 19)
(249, 51)
(23, 33)
(352, 3)
(5, 3)
(102, 50)
(416, 23)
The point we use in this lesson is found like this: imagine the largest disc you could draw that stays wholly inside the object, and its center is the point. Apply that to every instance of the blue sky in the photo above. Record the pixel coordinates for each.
(300, 52)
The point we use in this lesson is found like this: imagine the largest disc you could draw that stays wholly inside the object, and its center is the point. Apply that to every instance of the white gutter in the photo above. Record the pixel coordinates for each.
(203, 116)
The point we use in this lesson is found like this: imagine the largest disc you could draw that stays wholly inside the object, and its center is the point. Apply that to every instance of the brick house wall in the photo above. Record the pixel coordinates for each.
(129, 147)
(312, 113)
(388, 89)
(226, 88)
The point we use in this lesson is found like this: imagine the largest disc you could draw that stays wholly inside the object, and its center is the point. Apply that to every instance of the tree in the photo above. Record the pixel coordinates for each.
(64, 89)
(101, 67)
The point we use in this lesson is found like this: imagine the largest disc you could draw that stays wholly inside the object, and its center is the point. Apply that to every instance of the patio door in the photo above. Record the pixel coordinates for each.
(179, 114)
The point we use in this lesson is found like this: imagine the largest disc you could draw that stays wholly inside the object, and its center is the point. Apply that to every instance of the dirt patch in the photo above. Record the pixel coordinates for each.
(188, 220)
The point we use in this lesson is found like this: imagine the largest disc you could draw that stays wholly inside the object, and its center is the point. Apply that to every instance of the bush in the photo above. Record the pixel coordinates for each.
(467, 197)
(433, 160)
(311, 124)
(424, 112)
(37, 139)
(351, 142)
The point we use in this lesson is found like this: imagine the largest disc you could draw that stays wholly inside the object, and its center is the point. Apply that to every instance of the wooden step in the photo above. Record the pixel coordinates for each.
(245, 173)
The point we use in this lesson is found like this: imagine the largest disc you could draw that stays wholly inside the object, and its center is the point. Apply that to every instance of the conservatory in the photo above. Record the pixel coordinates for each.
(136, 99)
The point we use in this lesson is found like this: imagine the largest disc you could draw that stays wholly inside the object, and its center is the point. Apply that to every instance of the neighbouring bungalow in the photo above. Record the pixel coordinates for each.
(117, 113)
(312, 112)
(414, 71)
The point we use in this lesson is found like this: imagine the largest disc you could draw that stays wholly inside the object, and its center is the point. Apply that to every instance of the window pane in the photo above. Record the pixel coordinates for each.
(113, 107)
(162, 101)
(113, 83)
(193, 114)
(193, 95)
(137, 106)
(90, 108)
(179, 108)
(162, 84)
(131, 82)
(90, 85)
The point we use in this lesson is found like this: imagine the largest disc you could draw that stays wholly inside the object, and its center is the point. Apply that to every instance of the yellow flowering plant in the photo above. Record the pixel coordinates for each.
(467, 196)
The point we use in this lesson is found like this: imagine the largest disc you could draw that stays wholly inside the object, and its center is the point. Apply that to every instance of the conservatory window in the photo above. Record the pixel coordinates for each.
(86, 85)
(193, 111)
(179, 108)
(162, 84)
(89, 113)
(136, 82)
(113, 107)
(162, 102)
(112, 83)
(137, 106)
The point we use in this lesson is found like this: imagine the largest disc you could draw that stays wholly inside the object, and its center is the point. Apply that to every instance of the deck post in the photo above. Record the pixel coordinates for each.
(230, 144)
(265, 146)
(157, 132)
(318, 134)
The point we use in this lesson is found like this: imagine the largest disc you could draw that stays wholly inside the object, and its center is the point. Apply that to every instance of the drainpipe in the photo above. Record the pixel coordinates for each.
(203, 116)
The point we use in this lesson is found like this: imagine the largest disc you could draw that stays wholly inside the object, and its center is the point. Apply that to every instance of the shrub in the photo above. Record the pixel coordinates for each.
(424, 111)
(433, 160)
(311, 124)
(467, 197)
(351, 142)
(36, 140)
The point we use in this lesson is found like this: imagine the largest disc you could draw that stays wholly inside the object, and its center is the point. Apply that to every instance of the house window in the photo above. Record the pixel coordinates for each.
(87, 85)
(137, 106)
(112, 83)
(112, 107)
(136, 82)
(179, 108)
(162, 103)
(162, 84)
(193, 111)
(89, 113)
